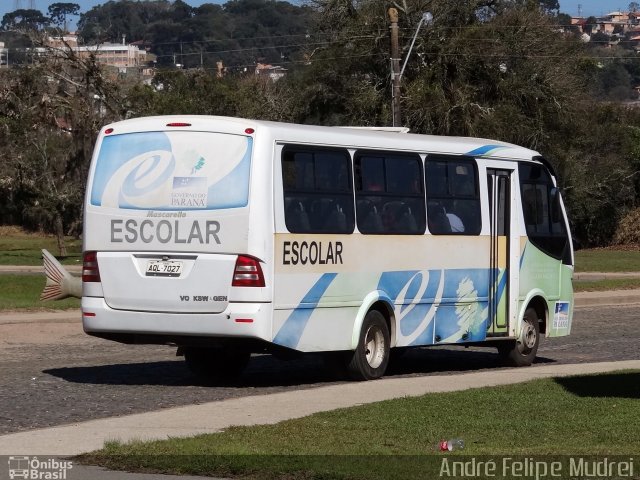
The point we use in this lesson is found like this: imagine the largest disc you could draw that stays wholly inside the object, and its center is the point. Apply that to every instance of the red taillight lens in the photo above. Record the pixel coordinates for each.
(247, 273)
(90, 272)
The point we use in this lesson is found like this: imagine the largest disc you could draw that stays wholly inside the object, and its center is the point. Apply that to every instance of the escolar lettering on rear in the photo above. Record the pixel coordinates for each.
(164, 231)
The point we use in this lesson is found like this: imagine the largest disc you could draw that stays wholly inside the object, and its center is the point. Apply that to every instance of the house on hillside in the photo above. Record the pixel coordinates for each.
(118, 55)
(613, 23)
(272, 72)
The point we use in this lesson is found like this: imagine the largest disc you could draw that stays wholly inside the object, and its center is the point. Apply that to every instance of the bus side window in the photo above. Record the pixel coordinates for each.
(541, 210)
(318, 196)
(453, 202)
(389, 193)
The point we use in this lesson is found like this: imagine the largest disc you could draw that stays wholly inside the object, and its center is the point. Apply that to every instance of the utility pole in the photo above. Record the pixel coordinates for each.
(396, 73)
(395, 68)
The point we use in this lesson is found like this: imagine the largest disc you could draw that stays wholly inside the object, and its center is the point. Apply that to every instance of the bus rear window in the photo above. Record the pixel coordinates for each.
(172, 171)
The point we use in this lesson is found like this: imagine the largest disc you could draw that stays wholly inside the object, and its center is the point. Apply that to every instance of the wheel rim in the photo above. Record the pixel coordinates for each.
(374, 347)
(528, 339)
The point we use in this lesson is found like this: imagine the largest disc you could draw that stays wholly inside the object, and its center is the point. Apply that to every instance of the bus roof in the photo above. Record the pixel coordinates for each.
(357, 137)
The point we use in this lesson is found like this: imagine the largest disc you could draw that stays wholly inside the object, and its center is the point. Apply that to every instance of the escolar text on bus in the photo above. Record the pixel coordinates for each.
(165, 231)
(313, 253)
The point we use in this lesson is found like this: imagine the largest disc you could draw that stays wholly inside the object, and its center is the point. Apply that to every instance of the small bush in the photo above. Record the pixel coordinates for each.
(628, 231)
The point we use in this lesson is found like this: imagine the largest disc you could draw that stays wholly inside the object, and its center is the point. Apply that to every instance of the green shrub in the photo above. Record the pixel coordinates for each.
(628, 231)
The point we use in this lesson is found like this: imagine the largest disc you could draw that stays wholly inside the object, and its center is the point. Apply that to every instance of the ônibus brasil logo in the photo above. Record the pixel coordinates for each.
(35, 469)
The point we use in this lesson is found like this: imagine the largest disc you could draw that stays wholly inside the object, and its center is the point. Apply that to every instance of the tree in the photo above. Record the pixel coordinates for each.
(505, 74)
(24, 20)
(58, 12)
(50, 120)
(549, 6)
(239, 33)
(592, 22)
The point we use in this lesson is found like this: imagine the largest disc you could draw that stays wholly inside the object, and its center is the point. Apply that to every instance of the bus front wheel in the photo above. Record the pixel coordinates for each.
(371, 357)
(522, 352)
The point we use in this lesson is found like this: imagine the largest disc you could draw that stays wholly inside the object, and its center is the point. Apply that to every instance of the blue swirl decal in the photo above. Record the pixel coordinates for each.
(292, 329)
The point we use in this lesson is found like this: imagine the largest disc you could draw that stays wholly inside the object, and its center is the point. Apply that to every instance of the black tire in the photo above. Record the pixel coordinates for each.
(216, 363)
(371, 357)
(522, 352)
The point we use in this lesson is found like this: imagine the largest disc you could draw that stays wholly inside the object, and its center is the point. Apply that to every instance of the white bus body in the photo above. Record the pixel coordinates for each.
(227, 236)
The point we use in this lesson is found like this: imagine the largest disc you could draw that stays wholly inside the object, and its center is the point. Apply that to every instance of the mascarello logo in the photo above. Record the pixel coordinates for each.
(189, 192)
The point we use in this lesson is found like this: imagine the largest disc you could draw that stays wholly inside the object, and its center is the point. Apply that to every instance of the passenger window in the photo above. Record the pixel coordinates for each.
(318, 197)
(453, 202)
(389, 193)
(541, 210)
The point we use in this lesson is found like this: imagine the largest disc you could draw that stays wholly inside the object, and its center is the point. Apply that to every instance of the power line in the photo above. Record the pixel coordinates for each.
(249, 49)
(196, 42)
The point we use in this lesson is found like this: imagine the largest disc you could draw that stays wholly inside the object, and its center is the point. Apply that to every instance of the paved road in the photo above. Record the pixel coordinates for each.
(52, 373)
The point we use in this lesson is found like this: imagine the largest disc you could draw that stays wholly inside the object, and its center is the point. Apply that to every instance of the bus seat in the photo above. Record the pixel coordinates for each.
(297, 219)
(437, 218)
(371, 220)
(406, 222)
(336, 221)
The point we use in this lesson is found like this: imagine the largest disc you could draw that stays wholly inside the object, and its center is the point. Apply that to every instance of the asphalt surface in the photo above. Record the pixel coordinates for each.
(53, 374)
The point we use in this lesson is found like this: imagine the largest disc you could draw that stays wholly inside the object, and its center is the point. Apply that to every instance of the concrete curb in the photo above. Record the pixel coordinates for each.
(34, 269)
(593, 276)
(609, 297)
(579, 276)
(582, 299)
(256, 410)
(65, 316)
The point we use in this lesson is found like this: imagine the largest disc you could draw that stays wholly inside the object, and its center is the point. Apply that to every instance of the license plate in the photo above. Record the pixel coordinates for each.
(164, 268)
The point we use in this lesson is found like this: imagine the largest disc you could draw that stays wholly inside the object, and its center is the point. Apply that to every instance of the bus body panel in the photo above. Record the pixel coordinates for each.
(437, 288)
(196, 290)
(176, 195)
(99, 318)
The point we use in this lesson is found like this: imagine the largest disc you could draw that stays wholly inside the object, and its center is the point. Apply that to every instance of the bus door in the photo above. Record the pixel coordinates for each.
(498, 183)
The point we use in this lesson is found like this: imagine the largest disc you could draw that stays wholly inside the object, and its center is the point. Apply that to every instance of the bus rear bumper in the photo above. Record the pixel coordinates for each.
(239, 320)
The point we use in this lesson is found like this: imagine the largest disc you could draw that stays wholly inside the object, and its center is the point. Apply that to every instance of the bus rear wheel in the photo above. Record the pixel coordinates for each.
(216, 363)
(522, 352)
(371, 357)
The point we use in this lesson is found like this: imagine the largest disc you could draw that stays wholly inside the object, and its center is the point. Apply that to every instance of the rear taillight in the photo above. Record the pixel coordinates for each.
(247, 273)
(90, 271)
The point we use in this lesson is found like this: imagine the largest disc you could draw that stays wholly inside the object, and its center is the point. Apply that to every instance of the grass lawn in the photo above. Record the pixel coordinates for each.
(606, 260)
(22, 292)
(608, 284)
(582, 415)
(20, 248)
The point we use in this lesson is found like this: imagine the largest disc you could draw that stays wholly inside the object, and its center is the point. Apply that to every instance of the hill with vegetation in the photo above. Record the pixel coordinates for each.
(500, 69)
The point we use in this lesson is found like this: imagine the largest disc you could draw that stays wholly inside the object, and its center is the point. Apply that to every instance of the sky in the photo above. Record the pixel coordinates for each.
(589, 7)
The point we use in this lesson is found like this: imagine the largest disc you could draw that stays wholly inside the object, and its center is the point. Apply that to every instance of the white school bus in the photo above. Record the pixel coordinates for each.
(227, 236)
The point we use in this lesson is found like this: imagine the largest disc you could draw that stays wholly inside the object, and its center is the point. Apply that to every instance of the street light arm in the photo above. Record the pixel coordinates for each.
(427, 17)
